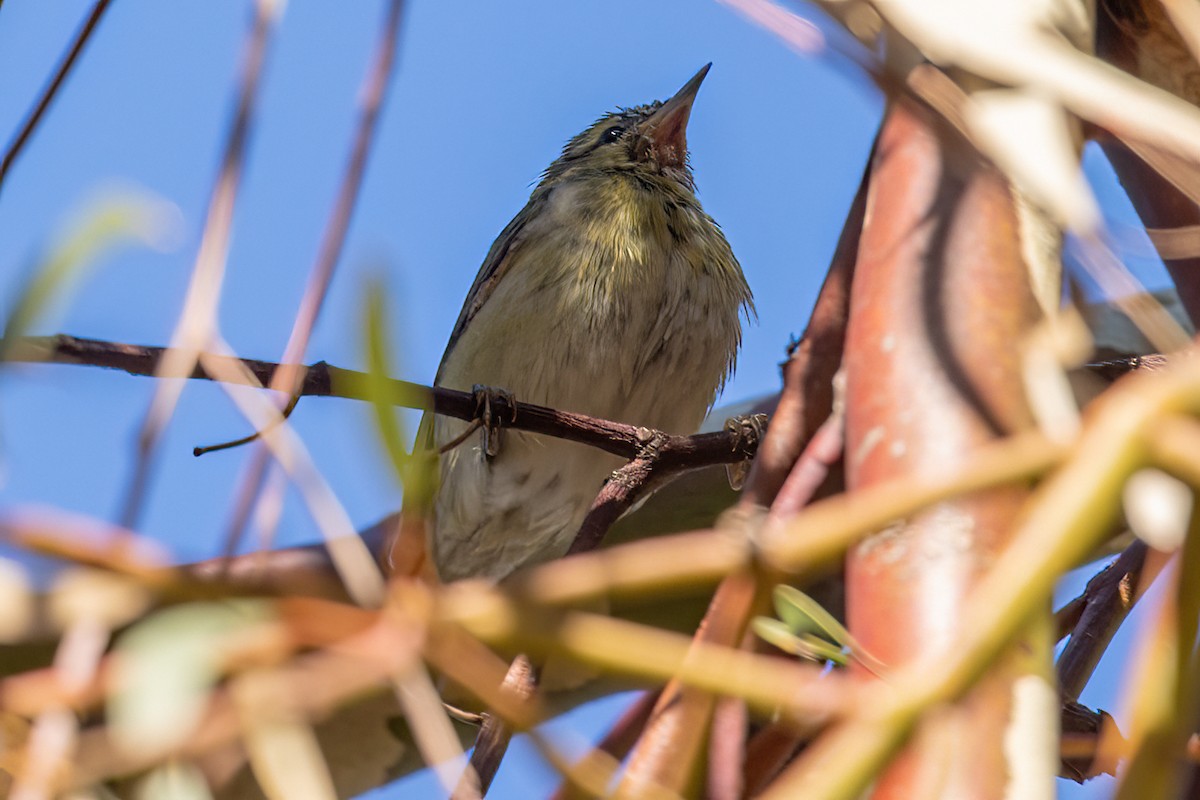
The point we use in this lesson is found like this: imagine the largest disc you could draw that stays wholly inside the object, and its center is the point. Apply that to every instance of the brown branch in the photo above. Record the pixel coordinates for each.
(324, 380)
(620, 492)
(812, 469)
(776, 744)
(51, 91)
(1112, 369)
(492, 741)
(768, 752)
(1079, 744)
(1103, 606)
(623, 488)
(807, 397)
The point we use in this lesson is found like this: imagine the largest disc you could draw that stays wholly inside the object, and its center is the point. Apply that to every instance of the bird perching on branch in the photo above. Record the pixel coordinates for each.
(611, 293)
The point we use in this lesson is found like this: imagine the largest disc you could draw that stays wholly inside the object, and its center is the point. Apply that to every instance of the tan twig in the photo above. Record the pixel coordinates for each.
(355, 564)
(197, 323)
(290, 377)
(619, 739)
(643, 652)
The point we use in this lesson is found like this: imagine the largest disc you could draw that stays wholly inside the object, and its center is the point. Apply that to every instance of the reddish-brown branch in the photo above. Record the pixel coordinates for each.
(807, 397)
(39, 109)
(769, 751)
(673, 740)
(623, 488)
(668, 752)
(727, 749)
(823, 451)
(927, 384)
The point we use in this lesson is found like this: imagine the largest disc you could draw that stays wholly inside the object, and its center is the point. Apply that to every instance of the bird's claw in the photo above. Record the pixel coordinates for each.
(750, 429)
(485, 398)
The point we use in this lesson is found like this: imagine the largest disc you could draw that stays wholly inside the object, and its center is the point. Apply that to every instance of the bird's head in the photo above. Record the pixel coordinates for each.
(646, 140)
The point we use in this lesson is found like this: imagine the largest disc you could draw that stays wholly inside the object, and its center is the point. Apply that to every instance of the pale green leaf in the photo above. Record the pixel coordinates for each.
(415, 474)
(818, 649)
(779, 634)
(114, 219)
(284, 752)
(164, 668)
(774, 632)
(805, 615)
(174, 781)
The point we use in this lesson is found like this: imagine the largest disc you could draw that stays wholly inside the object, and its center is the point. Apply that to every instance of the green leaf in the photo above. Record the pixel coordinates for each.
(780, 635)
(414, 473)
(165, 667)
(774, 632)
(805, 615)
(822, 650)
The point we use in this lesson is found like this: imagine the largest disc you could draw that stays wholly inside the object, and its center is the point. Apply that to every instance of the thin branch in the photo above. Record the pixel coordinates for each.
(197, 324)
(623, 488)
(1115, 368)
(355, 564)
(807, 397)
(767, 752)
(373, 91)
(811, 470)
(34, 117)
(323, 380)
(494, 736)
(1103, 606)
(1081, 731)
(203, 450)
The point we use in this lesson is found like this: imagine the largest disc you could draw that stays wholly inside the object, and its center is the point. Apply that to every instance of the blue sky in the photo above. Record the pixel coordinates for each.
(485, 95)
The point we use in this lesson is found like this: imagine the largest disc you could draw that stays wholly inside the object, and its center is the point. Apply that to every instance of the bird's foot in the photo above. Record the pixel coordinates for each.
(485, 399)
(749, 430)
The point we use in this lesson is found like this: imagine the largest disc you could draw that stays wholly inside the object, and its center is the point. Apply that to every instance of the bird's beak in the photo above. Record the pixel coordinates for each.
(667, 127)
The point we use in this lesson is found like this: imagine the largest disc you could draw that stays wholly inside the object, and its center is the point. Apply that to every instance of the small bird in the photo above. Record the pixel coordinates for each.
(611, 293)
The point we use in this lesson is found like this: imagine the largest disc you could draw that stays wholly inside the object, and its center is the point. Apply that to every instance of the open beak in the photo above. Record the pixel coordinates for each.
(667, 127)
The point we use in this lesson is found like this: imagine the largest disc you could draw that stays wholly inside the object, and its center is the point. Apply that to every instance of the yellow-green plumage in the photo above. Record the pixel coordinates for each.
(612, 294)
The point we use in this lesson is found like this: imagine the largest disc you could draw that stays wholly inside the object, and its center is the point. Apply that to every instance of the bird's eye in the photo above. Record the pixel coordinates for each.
(611, 135)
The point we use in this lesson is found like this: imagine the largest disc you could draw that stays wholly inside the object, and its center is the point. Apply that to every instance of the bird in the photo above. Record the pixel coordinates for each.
(611, 293)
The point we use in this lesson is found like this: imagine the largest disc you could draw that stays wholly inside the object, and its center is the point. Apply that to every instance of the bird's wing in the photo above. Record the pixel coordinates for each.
(494, 268)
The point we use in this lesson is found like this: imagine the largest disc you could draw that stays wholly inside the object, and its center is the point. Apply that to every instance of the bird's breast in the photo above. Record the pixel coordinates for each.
(605, 311)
